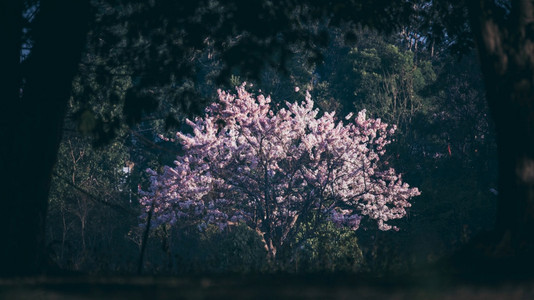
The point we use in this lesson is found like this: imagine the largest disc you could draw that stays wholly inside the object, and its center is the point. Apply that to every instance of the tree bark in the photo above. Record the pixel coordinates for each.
(506, 52)
(32, 118)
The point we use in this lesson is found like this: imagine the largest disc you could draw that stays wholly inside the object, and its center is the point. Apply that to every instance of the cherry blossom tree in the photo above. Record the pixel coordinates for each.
(276, 170)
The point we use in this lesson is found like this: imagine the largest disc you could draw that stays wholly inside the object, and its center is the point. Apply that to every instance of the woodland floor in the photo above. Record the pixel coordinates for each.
(323, 286)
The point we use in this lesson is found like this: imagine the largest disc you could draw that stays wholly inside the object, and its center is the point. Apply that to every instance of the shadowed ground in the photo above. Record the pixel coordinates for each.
(429, 286)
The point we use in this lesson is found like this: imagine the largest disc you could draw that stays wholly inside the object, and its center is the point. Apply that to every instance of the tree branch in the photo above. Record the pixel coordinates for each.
(94, 198)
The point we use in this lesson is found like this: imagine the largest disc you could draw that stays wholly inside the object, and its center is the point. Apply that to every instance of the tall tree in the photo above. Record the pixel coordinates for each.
(34, 94)
(505, 41)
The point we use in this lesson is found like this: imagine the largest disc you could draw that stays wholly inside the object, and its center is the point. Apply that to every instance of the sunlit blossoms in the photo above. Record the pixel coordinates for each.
(275, 170)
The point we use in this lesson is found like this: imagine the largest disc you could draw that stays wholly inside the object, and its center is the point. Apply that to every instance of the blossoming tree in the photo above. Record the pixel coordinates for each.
(276, 170)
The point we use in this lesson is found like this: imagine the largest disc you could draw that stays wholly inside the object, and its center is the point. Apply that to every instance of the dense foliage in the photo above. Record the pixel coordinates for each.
(435, 147)
(133, 72)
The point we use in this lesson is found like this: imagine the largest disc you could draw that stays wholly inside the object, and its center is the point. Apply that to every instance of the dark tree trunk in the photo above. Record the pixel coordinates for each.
(33, 109)
(506, 52)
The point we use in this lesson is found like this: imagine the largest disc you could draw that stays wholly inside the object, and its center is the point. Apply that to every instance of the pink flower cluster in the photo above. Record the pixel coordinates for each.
(247, 163)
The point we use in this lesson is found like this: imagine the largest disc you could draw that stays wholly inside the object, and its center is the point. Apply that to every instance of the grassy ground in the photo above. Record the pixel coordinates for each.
(429, 286)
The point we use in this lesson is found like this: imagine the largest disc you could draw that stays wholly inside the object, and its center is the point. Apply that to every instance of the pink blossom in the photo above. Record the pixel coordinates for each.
(269, 168)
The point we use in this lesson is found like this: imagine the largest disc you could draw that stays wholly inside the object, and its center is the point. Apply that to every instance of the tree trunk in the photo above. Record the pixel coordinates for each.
(32, 119)
(506, 53)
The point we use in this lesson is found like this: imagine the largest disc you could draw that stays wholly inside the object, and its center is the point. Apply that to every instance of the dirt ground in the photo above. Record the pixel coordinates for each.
(260, 287)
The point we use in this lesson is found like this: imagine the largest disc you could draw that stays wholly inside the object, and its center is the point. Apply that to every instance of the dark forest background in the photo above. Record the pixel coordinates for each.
(445, 146)
(94, 88)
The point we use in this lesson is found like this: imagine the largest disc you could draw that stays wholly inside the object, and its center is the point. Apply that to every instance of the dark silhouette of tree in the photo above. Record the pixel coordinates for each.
(34, 94)
(505, 39)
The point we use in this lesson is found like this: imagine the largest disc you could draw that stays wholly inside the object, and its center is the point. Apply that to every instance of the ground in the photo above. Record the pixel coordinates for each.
(262, 287)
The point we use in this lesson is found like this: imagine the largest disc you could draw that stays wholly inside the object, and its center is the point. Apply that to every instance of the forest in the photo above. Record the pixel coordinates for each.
(443, 145)
(160, 138)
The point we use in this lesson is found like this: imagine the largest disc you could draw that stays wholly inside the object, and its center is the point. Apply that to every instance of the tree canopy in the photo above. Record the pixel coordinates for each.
(275, 170)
